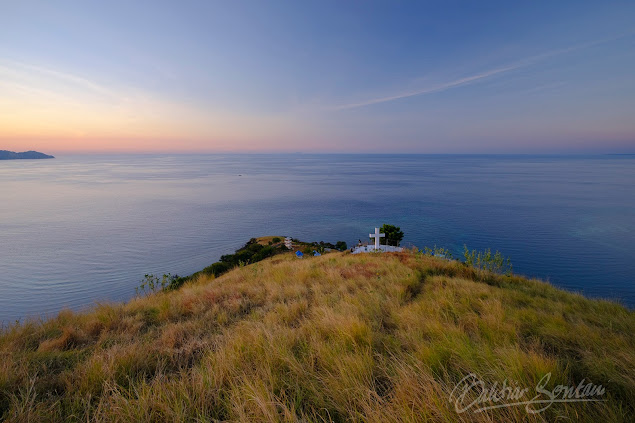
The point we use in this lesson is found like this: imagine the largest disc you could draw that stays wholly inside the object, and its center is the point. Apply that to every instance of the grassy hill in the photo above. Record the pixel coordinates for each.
(341, 337)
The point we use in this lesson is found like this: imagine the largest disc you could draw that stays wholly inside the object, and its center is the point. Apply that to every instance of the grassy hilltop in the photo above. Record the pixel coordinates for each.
(375, 337)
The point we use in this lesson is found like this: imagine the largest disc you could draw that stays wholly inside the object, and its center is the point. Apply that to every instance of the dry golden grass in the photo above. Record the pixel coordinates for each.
(264, 240)
(382, 338)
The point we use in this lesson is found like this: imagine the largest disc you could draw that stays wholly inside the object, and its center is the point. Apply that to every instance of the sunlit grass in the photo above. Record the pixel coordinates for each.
(334, 338)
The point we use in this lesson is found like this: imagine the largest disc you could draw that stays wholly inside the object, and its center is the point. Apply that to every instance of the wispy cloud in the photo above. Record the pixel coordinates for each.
(472, 79)
(34, 74)
(429, 90)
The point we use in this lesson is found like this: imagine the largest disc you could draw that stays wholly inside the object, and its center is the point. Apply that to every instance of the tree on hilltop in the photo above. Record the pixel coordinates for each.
(394, 235)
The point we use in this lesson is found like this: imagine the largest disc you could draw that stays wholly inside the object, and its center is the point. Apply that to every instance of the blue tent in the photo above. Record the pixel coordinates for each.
(299, 254)
(315, 253)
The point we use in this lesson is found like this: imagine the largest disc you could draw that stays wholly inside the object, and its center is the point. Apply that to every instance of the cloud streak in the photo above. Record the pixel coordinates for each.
(477, 77)
(434, 89)
(32, 72)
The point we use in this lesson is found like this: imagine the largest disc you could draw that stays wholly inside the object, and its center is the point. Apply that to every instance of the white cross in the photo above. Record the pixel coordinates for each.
(376, 235)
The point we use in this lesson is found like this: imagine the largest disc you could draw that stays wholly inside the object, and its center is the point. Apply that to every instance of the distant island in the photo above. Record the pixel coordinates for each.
(27, 155)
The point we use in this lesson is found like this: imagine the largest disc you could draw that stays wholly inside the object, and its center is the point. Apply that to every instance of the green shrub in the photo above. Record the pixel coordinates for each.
(152, 283)
(438, 252)
(217, 268)
(394, 235)
(341, 246)
(485, 260)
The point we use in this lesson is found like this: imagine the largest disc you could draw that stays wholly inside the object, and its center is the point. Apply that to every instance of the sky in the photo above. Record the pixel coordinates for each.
(318, 76)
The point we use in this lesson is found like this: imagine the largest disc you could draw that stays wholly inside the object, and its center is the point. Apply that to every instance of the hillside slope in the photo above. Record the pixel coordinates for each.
(382, 338)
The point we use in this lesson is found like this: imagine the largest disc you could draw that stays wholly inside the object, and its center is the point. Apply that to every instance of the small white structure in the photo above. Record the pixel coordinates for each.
(288, 242)
(377, 235)
(377, 248)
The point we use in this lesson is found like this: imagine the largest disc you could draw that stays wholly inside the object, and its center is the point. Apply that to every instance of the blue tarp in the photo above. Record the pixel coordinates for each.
(299, 254)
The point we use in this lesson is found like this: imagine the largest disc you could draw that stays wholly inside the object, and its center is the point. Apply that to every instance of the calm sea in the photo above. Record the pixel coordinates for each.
(83, 229)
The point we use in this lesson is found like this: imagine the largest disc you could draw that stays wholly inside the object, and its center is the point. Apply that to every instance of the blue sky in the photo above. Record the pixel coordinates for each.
(346, 76)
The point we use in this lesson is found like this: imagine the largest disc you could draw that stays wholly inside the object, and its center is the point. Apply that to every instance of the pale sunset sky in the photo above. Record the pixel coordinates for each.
(318, 76)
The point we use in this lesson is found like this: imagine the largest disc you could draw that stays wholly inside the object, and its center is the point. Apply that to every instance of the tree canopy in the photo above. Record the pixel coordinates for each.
(394, 235)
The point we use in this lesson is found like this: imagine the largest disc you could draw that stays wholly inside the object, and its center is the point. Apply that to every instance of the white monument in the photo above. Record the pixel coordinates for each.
(377, 248)
(377, 235)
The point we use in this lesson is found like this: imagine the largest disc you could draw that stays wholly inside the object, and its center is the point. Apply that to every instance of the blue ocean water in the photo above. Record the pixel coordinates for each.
(80, 229)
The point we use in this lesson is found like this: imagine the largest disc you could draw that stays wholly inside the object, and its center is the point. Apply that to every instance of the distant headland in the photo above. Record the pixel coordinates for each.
(27, 155)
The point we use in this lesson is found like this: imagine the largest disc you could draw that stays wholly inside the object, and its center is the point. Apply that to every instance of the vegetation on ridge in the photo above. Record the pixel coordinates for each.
(369, 337)
(393, 235)
(255, 250)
